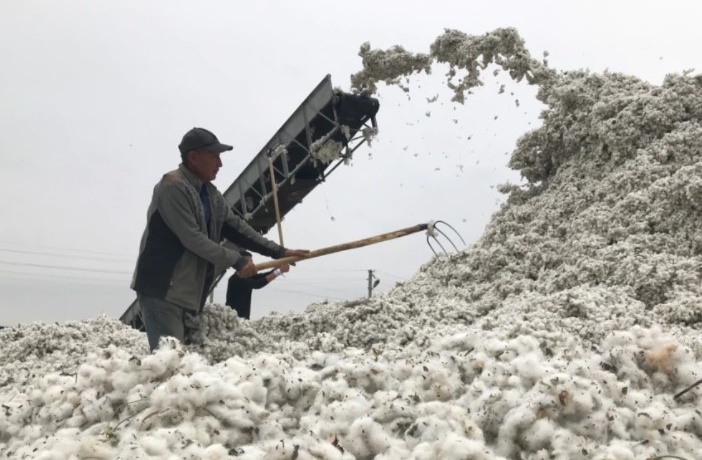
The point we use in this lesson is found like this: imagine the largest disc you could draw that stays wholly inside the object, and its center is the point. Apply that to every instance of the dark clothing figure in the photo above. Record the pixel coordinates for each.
(182, 246)
(239, 292)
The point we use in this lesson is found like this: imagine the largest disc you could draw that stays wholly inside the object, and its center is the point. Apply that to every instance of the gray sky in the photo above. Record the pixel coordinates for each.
(96, 96)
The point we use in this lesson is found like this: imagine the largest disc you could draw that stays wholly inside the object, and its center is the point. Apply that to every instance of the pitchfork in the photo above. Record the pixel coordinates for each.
(432, 231)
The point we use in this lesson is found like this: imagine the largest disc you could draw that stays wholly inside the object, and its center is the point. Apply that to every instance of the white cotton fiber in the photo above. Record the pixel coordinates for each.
(564, 332)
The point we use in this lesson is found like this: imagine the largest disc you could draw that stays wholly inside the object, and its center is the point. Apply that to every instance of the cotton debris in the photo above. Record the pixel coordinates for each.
(565, 332)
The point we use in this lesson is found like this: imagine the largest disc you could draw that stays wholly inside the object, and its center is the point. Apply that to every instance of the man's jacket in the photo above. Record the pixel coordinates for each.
(179, 254)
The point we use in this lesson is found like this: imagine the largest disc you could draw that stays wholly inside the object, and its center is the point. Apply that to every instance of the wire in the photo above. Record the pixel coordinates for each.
(63, 267)
(17, 251)
(311, 295)
(390, 274)
(55, 248)
(35, 276)
(322, 280)
(324, 270)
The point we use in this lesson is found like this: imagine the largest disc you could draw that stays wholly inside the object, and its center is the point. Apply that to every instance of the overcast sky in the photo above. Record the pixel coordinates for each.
(96, 96)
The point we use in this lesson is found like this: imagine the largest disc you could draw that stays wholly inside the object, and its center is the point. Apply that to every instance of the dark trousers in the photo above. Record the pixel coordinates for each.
(239, 292)
(161, 319)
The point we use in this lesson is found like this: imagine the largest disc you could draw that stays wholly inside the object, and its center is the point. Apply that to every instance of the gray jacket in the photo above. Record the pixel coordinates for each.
(179, 255)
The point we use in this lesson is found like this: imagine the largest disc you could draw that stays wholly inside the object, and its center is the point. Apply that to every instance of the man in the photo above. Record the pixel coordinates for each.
(181, 247)
(239, 289)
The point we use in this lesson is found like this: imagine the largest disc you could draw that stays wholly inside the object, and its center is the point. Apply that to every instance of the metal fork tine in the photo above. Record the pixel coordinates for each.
(451, 227)
(431, 247)
(447, 238)
(439, 243)
(432, 237)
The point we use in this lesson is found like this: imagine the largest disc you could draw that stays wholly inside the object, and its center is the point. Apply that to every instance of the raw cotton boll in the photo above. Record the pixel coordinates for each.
(187, 390)
(690, 422)
(397, 449)
(617, 450)
(339, 415)
(90, 406)
(62, 411)
(434, 382)
(280, 450)
(651, 420)
(455, 447)
(254, 390)
(154, 445)
(28, 433)
(237, 366)
(317, 360)
(423, 451)
(624, 362)
(208, 387)
(635, 399)
(187, 431)
(124, 380)
(332, 390)
(511, 432)
(538, 435)
(681, 443)
(388, 405)
(215, 452)
(52, 393)
(193, 362)
(269, 428)
(370, 377)
(489, 407)
(582, 402)
(76, 420)
(307, 394)
(566, 444)
(167, 395)
(326, 342)
(84, 376)
(164, 361)
(366, 438)
(529, 367)
(94, 375)
(662, 358)
(62, 446)
(464, 341)
(326, 150)
(431, 428)
(327, 451)
(369, 133)
(401, 370)
(94, 447)
(572, 396)
(439, 418)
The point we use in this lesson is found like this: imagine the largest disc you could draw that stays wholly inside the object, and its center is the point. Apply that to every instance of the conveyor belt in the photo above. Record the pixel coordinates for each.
(325, 117)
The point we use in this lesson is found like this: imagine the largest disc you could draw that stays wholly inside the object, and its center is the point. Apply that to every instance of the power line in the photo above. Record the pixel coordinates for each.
(63, 267)
(35, 276)
(311, 295)
(390, 274)
(17, 251)
(55, 248)
(318, 269)
(323, 280)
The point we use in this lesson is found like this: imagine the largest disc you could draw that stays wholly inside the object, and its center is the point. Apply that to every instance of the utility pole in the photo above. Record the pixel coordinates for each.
(373, 282)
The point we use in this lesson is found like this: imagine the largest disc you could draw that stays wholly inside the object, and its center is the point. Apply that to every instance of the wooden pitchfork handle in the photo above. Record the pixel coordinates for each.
(344, 247)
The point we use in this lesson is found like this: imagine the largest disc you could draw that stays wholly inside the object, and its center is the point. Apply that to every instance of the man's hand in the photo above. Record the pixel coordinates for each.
(284, 268)
(247, 270)
(296, 252)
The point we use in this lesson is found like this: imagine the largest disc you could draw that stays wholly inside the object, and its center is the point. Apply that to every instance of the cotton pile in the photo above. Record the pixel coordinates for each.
(565, 332)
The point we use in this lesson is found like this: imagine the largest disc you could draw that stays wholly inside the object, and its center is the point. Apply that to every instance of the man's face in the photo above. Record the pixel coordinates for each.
(205, 164)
